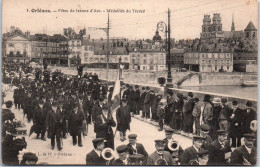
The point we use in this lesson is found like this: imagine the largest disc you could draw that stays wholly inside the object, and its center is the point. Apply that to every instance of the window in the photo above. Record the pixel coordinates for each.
(144, 61)
(247, 34)
(11, 45)
(253, 34)
(228, 55)
(227, 67)
(209, 61)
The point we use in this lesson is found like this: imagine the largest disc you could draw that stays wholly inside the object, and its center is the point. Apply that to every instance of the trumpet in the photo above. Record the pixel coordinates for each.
(173, 145)
(108, 154)
(253, 125)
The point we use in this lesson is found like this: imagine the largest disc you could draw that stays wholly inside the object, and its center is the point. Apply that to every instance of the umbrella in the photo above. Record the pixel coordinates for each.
(33, 128)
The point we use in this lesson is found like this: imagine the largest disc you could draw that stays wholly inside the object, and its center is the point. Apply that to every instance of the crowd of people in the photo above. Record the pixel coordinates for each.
(60, 104)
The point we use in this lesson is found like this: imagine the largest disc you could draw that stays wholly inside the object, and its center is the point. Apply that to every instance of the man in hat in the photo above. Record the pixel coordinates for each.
(245, 154)
(236, 120)
(187, 114)
(191, 152)
(207, 113)
(136, 99)
(104, 124)
(130, 100)
(39, 119)
(122, 151)
(54, 125)
(7, 114)
(123, 118)
(94, 157)
(147, 103)
(224, 116)
(177, 112)
(88, 106)
(249, 116)
(157, 98)
(135, 148)
(169, 138)
(65, 116)
(141, 102)
(216, 112)
(169, 108)
(97, 110)
(202, 159)
(160, 157)
(196, 112)
(218, 149)
(204, 132)
(75, 124)
(161, 115)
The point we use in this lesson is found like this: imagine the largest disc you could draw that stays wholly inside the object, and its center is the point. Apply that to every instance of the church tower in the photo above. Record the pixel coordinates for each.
(206, 28)
(233, 25)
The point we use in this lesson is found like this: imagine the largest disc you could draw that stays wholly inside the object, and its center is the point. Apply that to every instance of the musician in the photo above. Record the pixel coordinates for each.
(204, 132)
(202, 159)
(94, 157)
(245, 154)
(218, 148)
(104, 124)
(122, 151)
(168, 133)
(135, 148)
(160, 157)
(123, 118)
(191, 152)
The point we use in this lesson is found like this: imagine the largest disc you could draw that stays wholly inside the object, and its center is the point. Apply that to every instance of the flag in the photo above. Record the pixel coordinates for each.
(116, 94)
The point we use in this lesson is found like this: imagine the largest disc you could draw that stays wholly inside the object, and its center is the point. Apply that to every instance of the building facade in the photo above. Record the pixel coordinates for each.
(17, 48)
(147, 60)
(209, 62)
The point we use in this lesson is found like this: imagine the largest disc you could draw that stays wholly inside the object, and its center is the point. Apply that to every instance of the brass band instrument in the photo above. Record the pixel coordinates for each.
(161, 161)
(108, 154)
(253, 125)
(173, 145)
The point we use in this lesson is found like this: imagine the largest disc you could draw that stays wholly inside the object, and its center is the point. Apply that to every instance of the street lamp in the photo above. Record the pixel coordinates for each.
(161, 26)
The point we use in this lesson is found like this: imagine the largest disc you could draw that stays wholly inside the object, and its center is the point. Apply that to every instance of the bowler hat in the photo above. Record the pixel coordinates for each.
(168, 129)
(190, 94)
(234, 102)
(221, 132)
(8, 103)
(204, 127)
(196, 137)
(249, 136)
(207, 98)
(159, 141)
(224, 100)
(98, 140)
(249, 104)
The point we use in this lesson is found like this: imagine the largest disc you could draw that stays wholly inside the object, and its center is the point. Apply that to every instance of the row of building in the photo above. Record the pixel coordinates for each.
(71, 48)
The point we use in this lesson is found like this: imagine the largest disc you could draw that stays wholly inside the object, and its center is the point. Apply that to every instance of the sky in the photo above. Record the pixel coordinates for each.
(186, 16)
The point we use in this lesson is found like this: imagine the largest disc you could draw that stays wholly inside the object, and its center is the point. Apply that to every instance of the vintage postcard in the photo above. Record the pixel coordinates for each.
(115, 82)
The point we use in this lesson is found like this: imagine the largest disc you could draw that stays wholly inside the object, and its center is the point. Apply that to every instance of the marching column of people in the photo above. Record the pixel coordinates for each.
(59, 105)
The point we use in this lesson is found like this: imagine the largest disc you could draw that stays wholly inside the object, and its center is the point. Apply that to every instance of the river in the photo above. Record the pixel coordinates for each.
(237, 91)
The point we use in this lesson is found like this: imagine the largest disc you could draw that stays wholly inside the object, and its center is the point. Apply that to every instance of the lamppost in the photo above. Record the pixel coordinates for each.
(163, 26)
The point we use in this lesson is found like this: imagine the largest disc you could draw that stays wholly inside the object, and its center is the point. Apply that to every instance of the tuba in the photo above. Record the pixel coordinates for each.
(161, 161)
(173, 145)
(108, 154)
(253, 125)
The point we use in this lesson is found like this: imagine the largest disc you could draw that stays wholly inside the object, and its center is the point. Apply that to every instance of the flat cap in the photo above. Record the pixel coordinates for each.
(196, 137)
(143, 88)
(159, 141)
(122, 148)
(136, 157)
(136, 86)
(98, 140)
(8, 103)
(224, 100)
(204, 127)
(132, 136)
(147, 88)
(168, 129)
(221, 132)
(203, 152)
(249, 136)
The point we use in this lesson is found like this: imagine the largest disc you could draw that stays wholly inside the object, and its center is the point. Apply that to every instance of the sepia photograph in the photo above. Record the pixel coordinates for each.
(121, 83)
